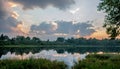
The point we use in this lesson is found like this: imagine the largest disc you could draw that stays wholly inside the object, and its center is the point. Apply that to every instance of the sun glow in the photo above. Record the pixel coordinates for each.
(99, 35)
(15, 15)
(22, 28)
(11, 4)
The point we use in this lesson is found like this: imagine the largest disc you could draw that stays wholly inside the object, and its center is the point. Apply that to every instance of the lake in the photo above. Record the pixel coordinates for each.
(59, 49)
(68, 54)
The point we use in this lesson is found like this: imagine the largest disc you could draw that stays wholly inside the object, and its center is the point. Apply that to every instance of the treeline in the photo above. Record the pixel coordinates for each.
(21, 40)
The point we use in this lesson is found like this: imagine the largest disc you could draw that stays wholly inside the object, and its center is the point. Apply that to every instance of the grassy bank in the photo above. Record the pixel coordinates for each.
(92, 61)
(31, 64)
(103, 61)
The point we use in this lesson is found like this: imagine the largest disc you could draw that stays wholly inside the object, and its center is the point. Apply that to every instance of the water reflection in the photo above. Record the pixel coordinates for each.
(21, 50)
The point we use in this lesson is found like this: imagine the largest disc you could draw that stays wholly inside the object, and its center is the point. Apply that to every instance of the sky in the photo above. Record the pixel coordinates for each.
(49, 19)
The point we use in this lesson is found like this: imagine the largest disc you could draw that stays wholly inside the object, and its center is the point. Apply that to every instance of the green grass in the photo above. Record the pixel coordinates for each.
(31, 64)
(92, 61)
(103, 61)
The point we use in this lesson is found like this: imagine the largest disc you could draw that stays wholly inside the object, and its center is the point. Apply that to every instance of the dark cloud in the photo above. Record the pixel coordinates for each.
(4, 9)
(10, 25)
(63, 27)
(8, 19)
(7, 22)
(7, 25)
(31, 4)
(84, 29)
(44, 27)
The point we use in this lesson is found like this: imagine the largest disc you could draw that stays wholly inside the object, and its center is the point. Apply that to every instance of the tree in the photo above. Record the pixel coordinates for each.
(36, 40)
(4, 39)
(20, 40)
(112, 18)
(28, 38)
(60, 39)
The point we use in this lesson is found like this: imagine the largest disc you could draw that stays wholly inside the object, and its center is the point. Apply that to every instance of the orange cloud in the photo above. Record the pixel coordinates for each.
(77, 36)
(11, 4)
(20, 29)
(99, 35)
(15, 15)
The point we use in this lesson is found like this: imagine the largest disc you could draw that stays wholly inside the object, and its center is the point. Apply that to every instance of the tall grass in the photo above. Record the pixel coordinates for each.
(93, 61)
(101, 61)
(31, 64)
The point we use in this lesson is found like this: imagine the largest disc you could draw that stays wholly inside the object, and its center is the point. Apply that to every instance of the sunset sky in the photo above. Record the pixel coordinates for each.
(49, 19)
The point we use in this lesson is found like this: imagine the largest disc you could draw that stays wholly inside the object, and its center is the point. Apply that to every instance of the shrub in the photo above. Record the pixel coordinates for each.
(99, 61)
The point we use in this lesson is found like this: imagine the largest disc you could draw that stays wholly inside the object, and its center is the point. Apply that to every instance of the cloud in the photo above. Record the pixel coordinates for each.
(21, 28)
(7, 24)
(11, 25)
(6, 21)
(74, 11)
(14, 15)
(81, 28)
(63, 28)
(31, 4)
(44, 27)
(4, 9)
(8, 18)
(84, 29)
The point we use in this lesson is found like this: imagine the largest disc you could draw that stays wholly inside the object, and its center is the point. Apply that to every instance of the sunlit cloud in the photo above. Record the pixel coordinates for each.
(29, 10)
(9, 22)
(99, 35)
(14, 14)
(54, 25)
(22, 28)
(77, 36)
(60, 34)
(74, 10)
(11, 4)
(63, 28)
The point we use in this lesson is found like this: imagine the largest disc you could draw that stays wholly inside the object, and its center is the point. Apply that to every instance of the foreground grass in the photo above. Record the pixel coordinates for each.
(92, 61)
(31, 64)
(103, 61)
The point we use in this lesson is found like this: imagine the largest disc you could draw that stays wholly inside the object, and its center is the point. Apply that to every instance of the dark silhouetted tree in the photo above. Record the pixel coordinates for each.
(28, 38)
(60, 39)
(36, 40)
(112, 19)
(4, 39)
